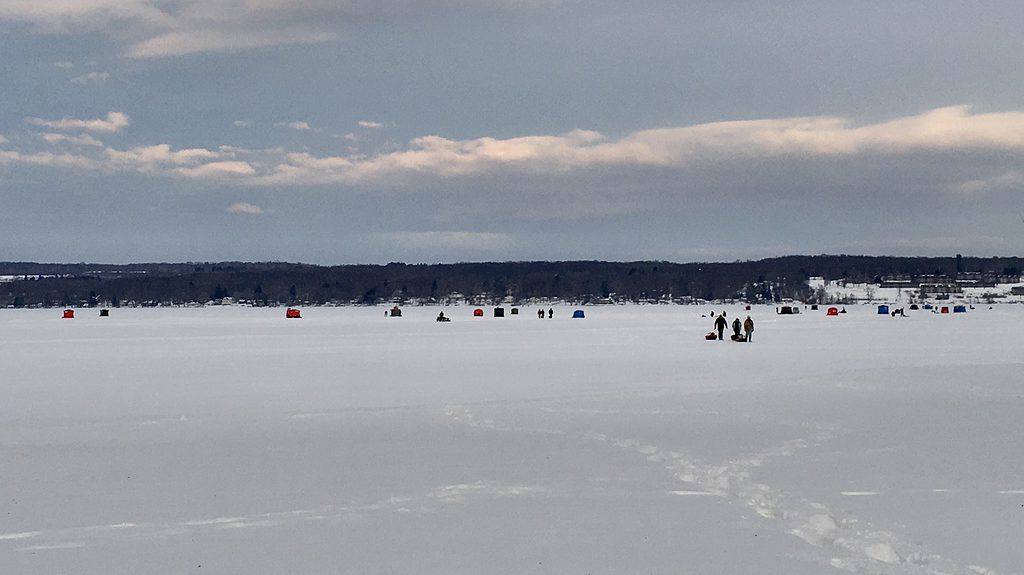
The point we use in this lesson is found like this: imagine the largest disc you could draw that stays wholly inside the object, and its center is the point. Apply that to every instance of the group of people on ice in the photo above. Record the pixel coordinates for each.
(746, 325)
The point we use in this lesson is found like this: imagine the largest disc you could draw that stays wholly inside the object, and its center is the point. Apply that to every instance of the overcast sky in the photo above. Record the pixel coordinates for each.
(464, 130)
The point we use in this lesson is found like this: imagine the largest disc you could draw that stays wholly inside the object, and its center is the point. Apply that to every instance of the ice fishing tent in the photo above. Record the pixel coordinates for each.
(69, 314)
(945, 309)
(928, 306)
(959, 309)
(396, 312)
(499, 312)
(578, 314)
(748, 308)
(515, 311)
(478, 312)
(914, 306)
(832, 311)
(292, 313)
(814, 307)
(883, 310)
(104, 313)
(787, 310)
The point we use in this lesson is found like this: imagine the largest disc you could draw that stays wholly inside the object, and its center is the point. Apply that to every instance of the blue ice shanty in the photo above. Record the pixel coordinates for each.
(578, 314)
(883, 310)
(959, 309)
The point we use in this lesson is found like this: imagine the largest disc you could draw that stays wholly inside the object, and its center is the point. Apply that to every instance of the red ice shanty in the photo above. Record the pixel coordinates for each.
(293, 313)
(69, 314)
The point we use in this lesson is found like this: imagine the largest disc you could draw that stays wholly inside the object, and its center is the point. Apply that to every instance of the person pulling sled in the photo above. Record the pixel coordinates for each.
(720, 324)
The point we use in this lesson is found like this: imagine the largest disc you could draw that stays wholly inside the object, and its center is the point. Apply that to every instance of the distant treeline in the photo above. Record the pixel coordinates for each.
(772, 279)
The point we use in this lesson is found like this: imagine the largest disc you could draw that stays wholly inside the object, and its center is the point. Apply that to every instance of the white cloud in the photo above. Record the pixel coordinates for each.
(114, 122)
(64, 64)
(154, 28)
(159, 160)
(296, 125)
(91, 78)
(47, 159)
(160, 28)
(951, 131)
(370, 124)
(242, 123)
(245, 208)
(150, 158)
(83, 140)
(66, 16)
(217, 170)
(3, 140)
(182, 42)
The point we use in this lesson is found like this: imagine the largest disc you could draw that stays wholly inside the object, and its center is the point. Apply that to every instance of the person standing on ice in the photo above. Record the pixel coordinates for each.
(748, 327)
(736, 327)
(720, 324)
(540, 313)
(551, 313)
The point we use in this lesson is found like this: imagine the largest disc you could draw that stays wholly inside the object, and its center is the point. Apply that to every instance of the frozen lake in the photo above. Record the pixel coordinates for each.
(231, 440)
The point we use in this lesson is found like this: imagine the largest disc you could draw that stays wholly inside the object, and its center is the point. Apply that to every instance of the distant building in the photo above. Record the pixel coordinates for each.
(898, 281)
(985, 279)
(971, 279)
(940, 288)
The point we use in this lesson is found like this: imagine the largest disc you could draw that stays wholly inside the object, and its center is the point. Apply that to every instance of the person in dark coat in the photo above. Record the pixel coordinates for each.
(720, 324)
(748, 328)
(736, 326)
(551, 313)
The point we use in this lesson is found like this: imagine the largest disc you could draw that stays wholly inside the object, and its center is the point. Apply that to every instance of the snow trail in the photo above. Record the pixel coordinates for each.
(848, 543)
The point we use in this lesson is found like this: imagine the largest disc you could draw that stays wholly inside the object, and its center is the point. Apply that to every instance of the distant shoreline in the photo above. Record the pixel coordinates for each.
(819, 279)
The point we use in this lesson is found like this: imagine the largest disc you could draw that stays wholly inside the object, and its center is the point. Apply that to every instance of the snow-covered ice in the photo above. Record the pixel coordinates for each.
(232, 440)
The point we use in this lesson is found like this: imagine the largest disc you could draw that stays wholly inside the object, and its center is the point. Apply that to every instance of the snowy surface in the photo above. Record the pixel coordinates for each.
(231, 440)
